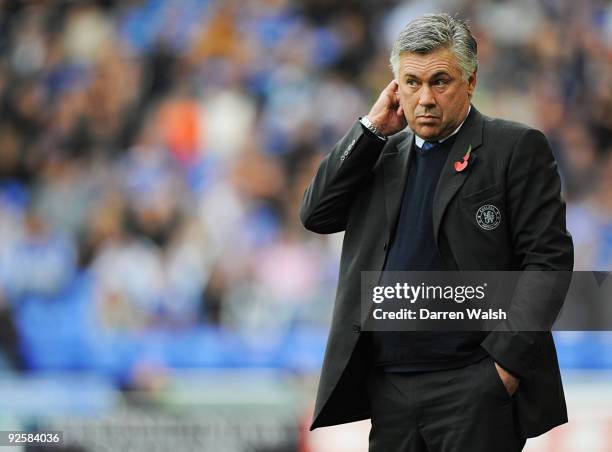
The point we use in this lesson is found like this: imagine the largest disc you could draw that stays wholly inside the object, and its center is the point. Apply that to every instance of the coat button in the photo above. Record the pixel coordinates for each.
(356, 329)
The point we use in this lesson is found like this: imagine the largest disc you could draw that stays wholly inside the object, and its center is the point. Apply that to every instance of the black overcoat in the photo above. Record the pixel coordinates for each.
(358, 188)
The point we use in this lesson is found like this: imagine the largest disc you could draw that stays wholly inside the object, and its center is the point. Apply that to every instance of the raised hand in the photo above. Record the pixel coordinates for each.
(387, 113)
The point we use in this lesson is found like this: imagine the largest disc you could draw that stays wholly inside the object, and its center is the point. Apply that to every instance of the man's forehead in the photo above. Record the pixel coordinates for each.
(425, 63)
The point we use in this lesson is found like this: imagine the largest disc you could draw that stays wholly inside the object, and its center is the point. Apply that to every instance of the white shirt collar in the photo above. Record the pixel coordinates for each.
(419, 141)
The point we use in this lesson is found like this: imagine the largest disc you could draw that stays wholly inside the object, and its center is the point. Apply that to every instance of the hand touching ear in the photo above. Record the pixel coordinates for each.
(387, 113)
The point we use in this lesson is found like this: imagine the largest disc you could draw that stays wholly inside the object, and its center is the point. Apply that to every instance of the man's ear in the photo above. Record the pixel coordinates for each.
(472, 84)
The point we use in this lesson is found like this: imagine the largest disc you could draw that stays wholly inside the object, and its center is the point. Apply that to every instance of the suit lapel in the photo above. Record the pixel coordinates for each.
(450, 180)
(395, 169)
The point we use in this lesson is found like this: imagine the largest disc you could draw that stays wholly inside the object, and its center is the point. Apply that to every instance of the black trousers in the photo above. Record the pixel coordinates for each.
(459, 410)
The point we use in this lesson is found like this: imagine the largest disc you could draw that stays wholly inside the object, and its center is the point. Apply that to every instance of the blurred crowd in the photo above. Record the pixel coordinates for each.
(153, 154)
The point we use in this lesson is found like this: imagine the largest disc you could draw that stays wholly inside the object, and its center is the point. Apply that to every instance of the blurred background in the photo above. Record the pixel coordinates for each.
(157, 291)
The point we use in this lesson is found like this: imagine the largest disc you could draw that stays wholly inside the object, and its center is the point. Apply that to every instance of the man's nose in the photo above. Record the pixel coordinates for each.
(426, 97)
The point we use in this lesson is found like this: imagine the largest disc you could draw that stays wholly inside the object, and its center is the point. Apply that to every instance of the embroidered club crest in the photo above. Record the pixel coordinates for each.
(488, 217)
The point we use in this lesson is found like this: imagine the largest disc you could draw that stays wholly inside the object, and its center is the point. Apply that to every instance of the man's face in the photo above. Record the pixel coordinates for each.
(432, 92)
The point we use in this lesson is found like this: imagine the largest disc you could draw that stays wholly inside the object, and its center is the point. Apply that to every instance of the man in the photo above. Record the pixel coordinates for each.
(459, 191)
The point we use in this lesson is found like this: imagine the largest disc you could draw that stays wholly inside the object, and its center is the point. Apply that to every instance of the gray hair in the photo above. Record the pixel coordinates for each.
(430, 32)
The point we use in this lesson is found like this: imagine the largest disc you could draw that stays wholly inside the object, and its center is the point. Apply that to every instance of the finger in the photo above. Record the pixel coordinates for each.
(391, 97)
(392, 86)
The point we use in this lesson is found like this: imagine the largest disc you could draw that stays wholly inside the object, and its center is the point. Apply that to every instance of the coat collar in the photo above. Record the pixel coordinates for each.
(397, 159)
(395, 168)
(450, 181)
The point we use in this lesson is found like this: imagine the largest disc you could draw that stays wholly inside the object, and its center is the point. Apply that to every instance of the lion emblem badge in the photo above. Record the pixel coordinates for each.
(488, 217)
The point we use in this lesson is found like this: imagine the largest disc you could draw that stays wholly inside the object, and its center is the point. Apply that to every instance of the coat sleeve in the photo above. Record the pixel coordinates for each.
(329, 196)
(543, 249)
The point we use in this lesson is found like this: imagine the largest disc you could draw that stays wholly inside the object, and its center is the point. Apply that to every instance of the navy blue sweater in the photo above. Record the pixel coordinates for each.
(414, 249)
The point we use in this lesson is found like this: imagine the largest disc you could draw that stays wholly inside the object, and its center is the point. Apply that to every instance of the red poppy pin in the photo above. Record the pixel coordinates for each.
(460, 166)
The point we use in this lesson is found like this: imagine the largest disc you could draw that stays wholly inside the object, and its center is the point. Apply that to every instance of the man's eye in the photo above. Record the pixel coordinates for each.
(440, 82)
(411, 82)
